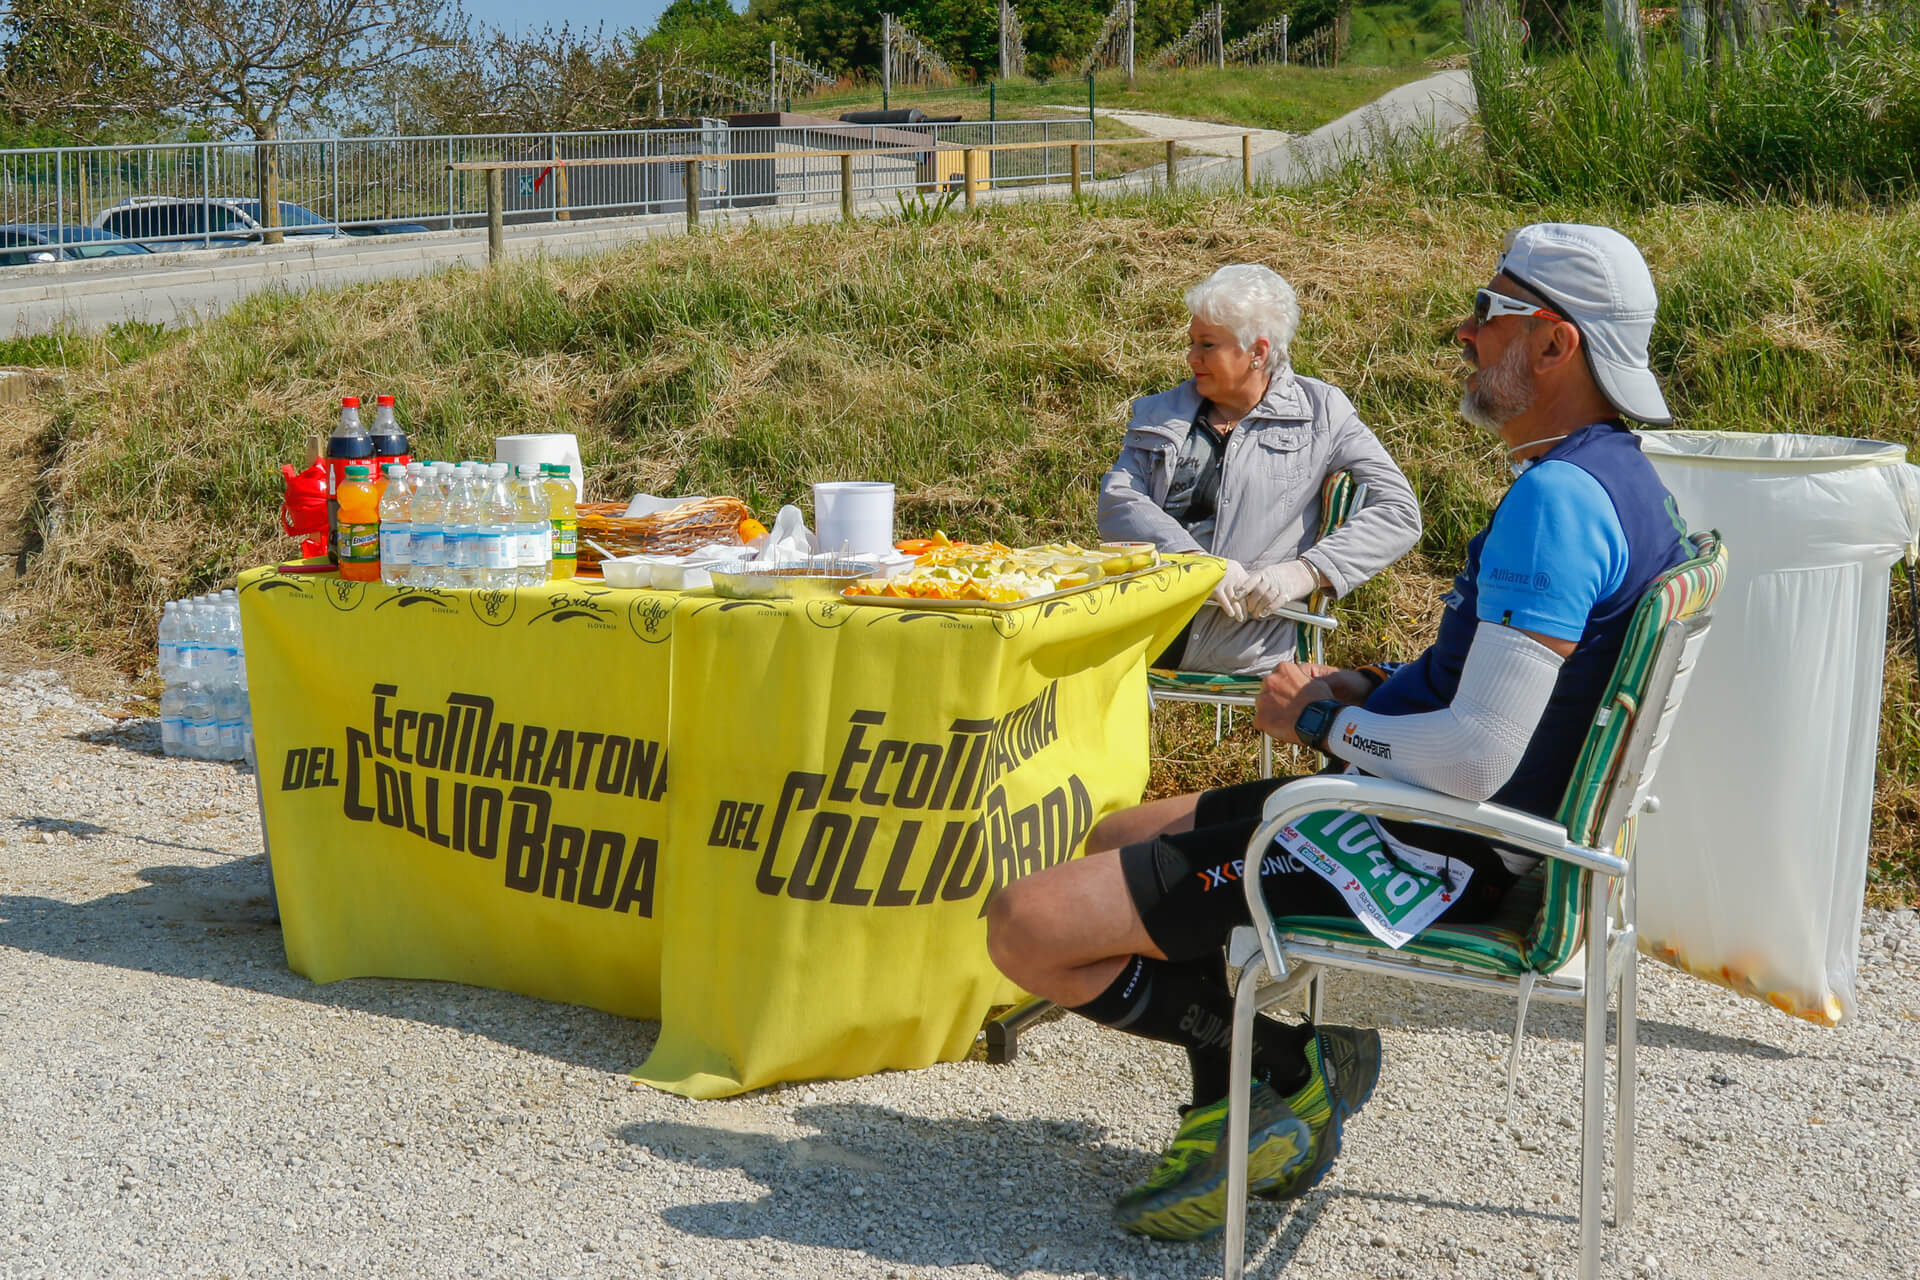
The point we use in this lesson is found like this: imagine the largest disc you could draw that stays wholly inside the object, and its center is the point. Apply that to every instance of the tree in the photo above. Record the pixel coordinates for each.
(67, 76)
(258, 65)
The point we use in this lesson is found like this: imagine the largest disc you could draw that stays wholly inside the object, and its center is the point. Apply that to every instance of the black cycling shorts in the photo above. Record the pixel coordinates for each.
(1187, 887)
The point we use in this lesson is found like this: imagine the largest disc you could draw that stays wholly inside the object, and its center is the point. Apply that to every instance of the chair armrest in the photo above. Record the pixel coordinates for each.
(1385, 798)
(1303, 616)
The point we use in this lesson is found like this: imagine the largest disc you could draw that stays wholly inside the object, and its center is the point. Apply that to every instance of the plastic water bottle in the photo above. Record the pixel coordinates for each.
(198, 656)
(396, 528)
(173, 718)
(535, 525)
(463, 528)
(225, 633)
(170, 643)
(230, 720)
(428, 544)
(499, 530)
(202, 724)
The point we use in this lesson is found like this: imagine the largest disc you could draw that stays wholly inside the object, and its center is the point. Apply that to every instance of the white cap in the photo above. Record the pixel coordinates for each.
(1595, 277)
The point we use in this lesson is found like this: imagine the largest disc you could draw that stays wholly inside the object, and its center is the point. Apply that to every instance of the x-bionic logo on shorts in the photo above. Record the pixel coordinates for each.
(1372, 746)
(1226, 873)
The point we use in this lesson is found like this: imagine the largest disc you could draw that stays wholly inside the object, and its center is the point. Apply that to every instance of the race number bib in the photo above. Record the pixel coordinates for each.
(1392, 888)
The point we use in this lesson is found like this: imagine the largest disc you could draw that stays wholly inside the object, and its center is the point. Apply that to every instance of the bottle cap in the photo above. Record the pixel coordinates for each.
(396, 468)
(349, 402)
(386, 400)
(357, 472)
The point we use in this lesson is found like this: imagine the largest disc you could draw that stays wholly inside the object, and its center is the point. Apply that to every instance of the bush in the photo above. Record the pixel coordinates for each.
(1813, 113)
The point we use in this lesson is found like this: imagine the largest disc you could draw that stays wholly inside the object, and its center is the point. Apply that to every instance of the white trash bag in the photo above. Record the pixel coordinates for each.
(1753, 871)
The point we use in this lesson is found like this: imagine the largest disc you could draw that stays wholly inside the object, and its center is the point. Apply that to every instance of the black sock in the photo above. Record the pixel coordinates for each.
(1189, 1004)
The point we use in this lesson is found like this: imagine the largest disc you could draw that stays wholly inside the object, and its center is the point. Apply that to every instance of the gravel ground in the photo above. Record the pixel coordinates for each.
(175, 1102)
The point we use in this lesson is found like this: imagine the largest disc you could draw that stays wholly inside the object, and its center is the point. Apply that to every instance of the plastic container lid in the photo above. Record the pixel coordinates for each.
(357, 472)
(386, 400)
(349, 402)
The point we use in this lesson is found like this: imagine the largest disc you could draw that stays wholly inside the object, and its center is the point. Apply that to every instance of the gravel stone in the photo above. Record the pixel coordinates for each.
(175, 1102)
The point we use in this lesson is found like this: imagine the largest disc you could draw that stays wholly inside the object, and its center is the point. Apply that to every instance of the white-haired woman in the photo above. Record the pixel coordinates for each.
(1230, 463)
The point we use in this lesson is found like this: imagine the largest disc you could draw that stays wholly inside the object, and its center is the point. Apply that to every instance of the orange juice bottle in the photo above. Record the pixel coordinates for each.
(359, 501)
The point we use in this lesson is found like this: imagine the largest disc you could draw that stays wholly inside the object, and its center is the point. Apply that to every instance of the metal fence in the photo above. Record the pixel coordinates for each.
(349, 186)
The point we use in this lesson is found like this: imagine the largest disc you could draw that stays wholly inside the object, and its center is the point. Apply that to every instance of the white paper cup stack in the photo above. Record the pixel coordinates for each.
(854, 514)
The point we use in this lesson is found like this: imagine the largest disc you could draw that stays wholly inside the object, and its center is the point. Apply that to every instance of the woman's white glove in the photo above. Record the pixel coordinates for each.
(1226, 596)
(1272, 586)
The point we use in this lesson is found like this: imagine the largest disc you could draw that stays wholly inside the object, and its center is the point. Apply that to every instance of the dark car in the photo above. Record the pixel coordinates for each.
(46, 242)
(175, 222)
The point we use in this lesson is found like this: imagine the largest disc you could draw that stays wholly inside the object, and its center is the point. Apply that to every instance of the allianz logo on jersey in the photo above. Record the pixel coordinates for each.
(1372, 746)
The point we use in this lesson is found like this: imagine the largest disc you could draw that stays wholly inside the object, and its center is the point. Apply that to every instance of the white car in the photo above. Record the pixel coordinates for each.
(191, 222)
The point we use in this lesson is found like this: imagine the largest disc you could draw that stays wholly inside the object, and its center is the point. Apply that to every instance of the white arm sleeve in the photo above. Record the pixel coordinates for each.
(1472, 747)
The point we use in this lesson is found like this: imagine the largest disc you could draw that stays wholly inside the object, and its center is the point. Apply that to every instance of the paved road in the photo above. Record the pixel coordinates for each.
(1208, 137)
(182, 288)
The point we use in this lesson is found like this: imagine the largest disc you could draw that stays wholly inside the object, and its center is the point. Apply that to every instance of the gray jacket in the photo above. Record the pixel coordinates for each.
(1302, 431)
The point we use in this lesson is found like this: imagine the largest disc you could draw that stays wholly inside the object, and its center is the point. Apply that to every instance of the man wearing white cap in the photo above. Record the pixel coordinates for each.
(1496, 708)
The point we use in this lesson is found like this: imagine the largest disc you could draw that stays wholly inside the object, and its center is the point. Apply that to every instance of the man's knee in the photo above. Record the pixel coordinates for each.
(1113, 830)
(1016, 930)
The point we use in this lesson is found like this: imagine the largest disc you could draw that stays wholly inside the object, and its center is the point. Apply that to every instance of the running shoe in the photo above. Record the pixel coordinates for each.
(1343, 1066)
(1185, 1197)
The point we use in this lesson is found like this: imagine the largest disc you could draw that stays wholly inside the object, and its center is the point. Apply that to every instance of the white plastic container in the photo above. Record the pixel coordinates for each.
(1751, 874)
(854, 517)
(543, 447)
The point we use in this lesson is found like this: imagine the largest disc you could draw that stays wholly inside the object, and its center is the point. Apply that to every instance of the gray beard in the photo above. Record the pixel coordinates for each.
(1504, 392)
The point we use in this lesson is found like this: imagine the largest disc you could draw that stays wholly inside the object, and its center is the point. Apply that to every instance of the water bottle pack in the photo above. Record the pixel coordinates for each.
(474, 525)
(204, 712)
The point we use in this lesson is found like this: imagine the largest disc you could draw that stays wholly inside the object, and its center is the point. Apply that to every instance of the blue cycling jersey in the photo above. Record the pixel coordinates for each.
(1554, 550)
(1562, 564)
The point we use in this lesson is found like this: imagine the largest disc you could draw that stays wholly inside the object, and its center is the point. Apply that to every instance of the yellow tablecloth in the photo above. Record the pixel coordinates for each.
(774, 826)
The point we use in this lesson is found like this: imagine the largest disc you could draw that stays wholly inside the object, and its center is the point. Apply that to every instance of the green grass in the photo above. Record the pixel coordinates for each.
(983, 363)
(118, 344)
(1817, 114)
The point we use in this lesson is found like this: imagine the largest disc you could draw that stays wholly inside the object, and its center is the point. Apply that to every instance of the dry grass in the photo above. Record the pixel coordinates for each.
(983, 363)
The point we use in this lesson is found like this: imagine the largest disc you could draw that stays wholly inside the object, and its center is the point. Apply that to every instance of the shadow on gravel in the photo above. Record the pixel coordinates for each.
(1389, 1005)
(1011, 1195)
(142, 738)
(216, 924)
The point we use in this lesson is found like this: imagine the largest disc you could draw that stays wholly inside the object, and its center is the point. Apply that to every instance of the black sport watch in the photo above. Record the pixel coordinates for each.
(1316, 722)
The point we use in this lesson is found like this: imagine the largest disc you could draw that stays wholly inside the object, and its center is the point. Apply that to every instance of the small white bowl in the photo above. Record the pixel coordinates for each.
(628, 571)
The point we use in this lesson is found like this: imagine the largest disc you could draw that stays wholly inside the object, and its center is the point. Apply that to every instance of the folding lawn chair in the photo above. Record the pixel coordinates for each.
(1582, 892)
(1340, 497)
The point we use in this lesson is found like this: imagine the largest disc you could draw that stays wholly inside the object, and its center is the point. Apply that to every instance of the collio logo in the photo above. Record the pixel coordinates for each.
(344, 595)
(829, 614)
(493, 607)
(432, 598)
(583, 606)
(651, 617)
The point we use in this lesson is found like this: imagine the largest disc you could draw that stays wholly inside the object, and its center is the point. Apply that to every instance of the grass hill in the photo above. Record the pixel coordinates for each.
(984, 363)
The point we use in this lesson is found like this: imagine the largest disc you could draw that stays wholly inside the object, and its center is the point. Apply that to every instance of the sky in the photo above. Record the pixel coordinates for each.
(532, 15)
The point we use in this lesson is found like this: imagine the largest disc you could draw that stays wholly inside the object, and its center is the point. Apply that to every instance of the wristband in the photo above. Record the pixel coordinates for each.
(1375, 673)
